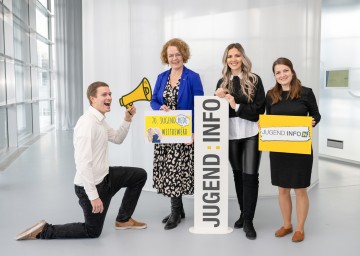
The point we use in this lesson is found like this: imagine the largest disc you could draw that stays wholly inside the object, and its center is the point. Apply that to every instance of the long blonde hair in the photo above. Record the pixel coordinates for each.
(248, 80)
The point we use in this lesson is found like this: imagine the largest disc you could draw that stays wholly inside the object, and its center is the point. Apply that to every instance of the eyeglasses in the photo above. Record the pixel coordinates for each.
(174, 56)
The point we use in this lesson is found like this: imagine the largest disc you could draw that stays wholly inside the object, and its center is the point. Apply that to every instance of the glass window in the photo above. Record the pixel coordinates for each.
(24, 121)
(44, 3)
(42, 24)
(9, 34)
(3, 130)
(44, 84)
(53, 113)
(22, 83)
(10, 81)
(21, 43)
(43, 55)
(2, 82)
(45, 114)
(21, 10)
(2, 50)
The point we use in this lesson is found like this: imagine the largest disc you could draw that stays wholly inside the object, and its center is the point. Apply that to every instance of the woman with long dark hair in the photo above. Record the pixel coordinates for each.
(288, 170)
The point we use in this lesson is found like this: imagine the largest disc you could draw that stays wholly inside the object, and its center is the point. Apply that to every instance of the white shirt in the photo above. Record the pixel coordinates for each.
(241, 128)
(91, 136)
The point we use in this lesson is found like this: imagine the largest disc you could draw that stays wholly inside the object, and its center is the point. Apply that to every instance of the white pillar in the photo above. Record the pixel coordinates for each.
(211, 166)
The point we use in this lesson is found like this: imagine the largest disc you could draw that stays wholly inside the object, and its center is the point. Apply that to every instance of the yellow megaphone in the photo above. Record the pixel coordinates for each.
(141, 92)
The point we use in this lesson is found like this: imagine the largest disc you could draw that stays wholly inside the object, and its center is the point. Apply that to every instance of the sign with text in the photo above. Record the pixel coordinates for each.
(173, 126)
(211, 166)
(288, 134)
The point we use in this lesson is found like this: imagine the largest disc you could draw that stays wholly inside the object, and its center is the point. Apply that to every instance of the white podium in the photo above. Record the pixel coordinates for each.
(211, 166)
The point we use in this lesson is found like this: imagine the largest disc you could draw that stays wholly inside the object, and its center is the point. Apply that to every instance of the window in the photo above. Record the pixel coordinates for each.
(2, 83)
(26, 75)
(24, 122)
(1, 30)
(42, 24)
(3, 131)
(45, 109)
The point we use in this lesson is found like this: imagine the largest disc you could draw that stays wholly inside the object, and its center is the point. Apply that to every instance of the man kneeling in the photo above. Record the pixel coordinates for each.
(95, 182)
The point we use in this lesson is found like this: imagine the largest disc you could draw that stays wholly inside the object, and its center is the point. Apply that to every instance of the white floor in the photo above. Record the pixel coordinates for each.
(38, 185)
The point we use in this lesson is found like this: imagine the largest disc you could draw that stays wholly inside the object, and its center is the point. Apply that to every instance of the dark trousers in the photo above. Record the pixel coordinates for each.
(244, 158)
(119, 177)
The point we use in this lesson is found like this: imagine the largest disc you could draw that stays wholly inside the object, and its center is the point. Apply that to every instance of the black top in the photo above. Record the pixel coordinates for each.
(247, 110)
(289, 170)
(304, 106)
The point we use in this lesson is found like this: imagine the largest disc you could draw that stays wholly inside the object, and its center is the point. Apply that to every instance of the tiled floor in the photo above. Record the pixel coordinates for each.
(38, 184)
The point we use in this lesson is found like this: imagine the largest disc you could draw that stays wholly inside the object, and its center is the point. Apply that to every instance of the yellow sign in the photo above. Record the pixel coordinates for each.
(168, 127)
(288, 134)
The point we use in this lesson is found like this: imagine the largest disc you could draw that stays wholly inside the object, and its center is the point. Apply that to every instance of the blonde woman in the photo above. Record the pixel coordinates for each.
(245, 93)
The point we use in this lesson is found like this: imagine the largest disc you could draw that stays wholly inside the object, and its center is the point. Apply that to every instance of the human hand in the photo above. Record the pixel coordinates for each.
(97, 205)
(313, 123)
(165, 108)
(231, 100)
(129, 113)
(192, 140)
(221, 92)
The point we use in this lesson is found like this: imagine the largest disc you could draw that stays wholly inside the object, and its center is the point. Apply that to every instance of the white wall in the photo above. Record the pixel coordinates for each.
(106, 57)
(340, 49)
(266, 29)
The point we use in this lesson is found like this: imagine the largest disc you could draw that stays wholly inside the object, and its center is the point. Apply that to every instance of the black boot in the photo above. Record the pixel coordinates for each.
(251, 190)
(182, 213)
(240, 222)
(238, 179)
(175, 216)
(249, 229)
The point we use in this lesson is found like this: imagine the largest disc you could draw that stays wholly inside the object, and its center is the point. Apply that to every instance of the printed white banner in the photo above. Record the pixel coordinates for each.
(297, 133)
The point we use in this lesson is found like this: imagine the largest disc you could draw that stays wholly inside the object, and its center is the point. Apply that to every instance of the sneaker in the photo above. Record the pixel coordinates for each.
(130, 224)
(31, 232)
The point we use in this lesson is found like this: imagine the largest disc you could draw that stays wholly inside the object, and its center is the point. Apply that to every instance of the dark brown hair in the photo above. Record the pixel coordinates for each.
(295, 84)
(92, 89)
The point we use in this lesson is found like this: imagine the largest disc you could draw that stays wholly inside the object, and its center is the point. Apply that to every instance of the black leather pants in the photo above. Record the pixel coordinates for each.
(244, 158)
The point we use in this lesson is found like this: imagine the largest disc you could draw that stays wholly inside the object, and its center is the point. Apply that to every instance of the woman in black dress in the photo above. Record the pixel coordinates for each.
(291, 171)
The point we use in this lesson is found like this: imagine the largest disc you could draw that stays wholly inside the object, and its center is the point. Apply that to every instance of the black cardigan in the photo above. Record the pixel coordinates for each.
(247, 110)
(304, 106)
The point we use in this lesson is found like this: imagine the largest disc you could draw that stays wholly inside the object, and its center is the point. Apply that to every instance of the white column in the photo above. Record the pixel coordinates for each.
(211, 166)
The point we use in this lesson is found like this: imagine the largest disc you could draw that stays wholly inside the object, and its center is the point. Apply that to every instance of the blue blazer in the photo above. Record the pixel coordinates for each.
(190, 86)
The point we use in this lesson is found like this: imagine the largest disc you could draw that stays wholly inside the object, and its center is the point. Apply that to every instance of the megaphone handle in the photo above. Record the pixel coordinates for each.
(128, 106)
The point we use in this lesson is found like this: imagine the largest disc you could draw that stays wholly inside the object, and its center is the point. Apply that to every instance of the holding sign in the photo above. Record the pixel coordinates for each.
(168, 127)
(289, 134)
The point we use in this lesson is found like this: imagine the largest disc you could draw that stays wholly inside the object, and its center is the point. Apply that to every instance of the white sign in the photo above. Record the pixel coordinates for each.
(278, 133)
(211, 166)
(173, 126)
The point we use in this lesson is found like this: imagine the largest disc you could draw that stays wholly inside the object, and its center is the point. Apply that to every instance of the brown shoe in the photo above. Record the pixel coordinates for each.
(283, 232)
(130, 224)
(298, 236)
(31, 232)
